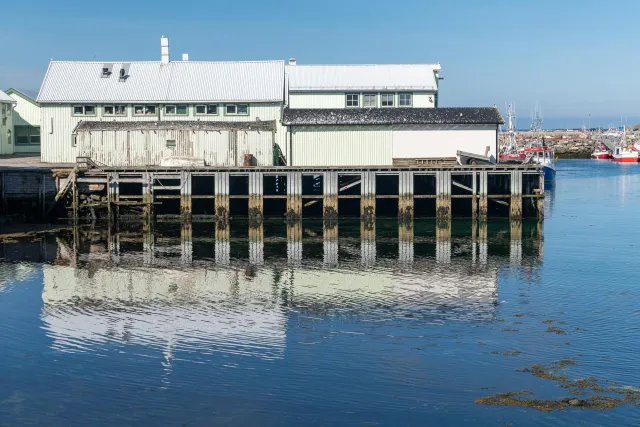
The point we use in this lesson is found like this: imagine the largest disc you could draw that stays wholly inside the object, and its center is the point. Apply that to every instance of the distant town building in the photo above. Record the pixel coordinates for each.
(6, 123)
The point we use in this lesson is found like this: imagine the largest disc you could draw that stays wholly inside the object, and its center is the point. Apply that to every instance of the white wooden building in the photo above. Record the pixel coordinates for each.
(164, 92)
(26, 123)
(6, 123)
(366, 115)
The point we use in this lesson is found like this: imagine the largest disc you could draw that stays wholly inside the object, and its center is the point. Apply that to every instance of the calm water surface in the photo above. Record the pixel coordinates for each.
(388, 326)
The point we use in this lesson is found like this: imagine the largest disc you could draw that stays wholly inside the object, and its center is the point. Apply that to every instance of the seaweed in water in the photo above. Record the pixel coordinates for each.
(556, 331)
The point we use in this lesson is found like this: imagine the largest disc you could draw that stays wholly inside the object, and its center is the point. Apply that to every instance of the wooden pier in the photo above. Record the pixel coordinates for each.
(443, 192)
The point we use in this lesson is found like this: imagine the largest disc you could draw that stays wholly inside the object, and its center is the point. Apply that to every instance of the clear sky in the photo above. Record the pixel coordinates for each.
(571, 57)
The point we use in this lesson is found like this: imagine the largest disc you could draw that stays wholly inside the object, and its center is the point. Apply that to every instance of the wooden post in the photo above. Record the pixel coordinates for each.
(256, 203)
(483, 201)
(294, 196)
(109, 199)
(515, 205)
(222, 196)
(147, 194)
(75, 197)
(330, 199)
(443, 195)
(474, 193)
(185, 195)
(405, 196)
(368, 196)
(540, 200)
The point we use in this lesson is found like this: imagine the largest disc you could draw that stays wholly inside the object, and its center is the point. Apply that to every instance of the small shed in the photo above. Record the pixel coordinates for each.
(137, 143)
(389, 136)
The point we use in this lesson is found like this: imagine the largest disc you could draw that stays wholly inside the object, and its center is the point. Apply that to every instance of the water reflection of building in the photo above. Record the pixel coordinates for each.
(159, 290)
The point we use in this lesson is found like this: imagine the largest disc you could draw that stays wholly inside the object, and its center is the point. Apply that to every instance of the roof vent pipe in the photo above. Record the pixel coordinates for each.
(185, 56)
(164, 49)
(292, 61)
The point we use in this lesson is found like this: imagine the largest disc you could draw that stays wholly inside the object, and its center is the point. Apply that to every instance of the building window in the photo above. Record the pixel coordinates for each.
(369, 100)
(386, 99)
(27, 135)
(353, 100)
(171, 143)
(405, 100)
(84, 110)
(207, 110)
(74, 140)
(237, 109)
(115, 110)
(176, 110)
(144, 110)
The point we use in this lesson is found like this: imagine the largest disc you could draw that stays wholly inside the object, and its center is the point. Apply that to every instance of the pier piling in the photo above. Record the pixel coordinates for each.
(405, 196)
(443, 195)
(256, 203)
(294, 196)
(221, 196)
(368, 196)
(483, 200)
(330, 195)
(185, 195)
(515, 205)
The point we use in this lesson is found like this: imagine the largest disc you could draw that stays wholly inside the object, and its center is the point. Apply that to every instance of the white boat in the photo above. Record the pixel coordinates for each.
(539, 152)
(623, 153)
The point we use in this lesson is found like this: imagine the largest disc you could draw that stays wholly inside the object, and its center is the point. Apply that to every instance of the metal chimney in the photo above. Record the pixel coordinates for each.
(164, 49)
(185, 56)
(292, 61)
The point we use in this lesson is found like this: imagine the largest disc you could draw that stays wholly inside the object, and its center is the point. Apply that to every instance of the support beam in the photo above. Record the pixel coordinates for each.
(484, 191)
(515, 205)
(368, 196)
(405, 196)
(443, 195)
(330, 193)
(222, 196)
(185, 195)
(147, 194)
(256, 192)
(294, 196)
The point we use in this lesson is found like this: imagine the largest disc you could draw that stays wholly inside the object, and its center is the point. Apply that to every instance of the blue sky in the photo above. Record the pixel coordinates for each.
(571, 57)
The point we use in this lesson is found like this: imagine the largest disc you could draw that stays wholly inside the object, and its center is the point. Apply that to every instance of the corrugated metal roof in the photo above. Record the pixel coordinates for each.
(4, 98)
(392, 116)
(362, 77)
(156, 82)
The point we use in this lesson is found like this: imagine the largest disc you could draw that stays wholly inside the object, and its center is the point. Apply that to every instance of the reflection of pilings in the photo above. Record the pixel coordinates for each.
(256, 245)
(330, 193)
(113, 195)
(405, 196)
(540, 238)
(148, 241)
(186, 243)
(515, 250)
(443, 242)
(294, 196)
(223, 244)
(368, 242)
(368, 196)
(405, 243)
(330, 247)
(294, 243)
(114, 242)
(482, 242)
(185, 195)
(222, 196)
(483, 192)
(256, 186)
(515, 205)
(443, 195)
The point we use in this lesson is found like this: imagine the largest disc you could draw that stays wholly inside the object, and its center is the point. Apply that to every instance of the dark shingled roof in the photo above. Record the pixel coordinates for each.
(392, 116)
(89, 126)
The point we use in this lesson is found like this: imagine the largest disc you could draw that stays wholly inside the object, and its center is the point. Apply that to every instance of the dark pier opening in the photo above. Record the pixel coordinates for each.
(239, 196)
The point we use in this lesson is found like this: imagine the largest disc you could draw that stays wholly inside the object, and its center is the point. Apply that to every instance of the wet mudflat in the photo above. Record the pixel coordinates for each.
(515, 323)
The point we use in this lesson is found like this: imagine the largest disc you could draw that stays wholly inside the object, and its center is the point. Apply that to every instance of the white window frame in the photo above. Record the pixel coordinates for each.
(227, 113)
(145, 109)
(84, 110)
(175, 107)
(393, 100)
(357, 100)
(375, 100)
(410, 99)
(206, 109)
(115, 106)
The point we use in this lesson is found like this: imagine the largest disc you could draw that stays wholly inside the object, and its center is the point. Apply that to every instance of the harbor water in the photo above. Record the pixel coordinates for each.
(355, 324)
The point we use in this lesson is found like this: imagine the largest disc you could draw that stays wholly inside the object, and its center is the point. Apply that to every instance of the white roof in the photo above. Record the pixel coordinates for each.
(191, 81)
(4, 98)
(362, 77)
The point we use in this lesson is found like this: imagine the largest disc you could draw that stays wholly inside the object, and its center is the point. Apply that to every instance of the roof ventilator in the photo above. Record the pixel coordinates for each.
(106, 70)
